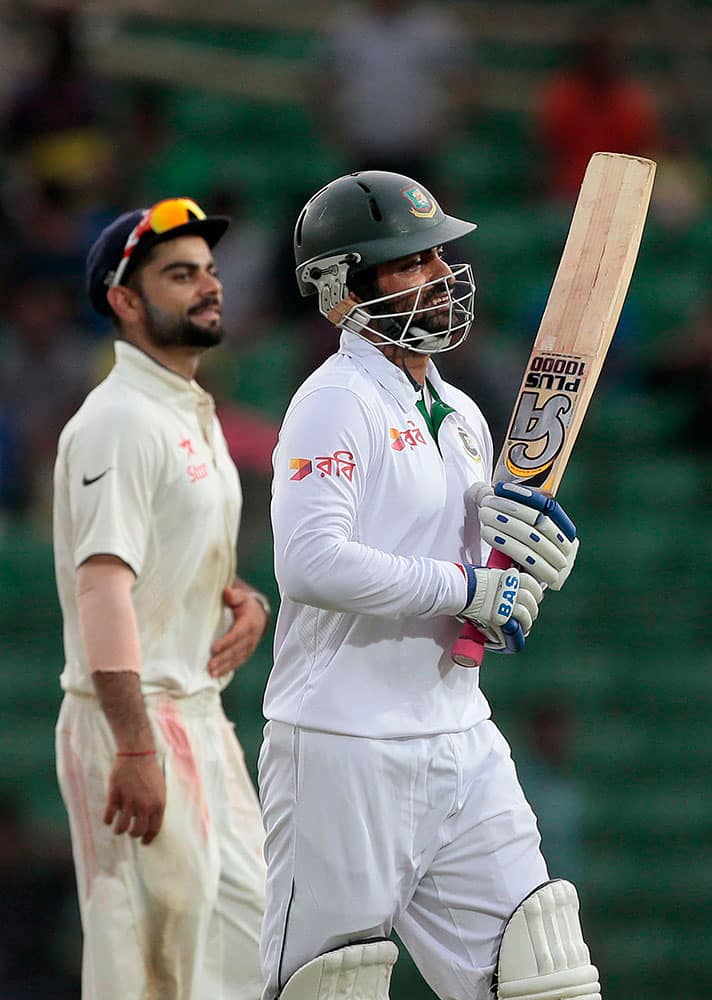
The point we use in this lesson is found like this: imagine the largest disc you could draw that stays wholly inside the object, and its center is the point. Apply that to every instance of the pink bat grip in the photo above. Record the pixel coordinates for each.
(469, 649)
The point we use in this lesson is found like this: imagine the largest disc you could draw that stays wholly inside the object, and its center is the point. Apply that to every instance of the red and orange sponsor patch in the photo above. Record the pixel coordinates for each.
(411, 437)
(341, 463)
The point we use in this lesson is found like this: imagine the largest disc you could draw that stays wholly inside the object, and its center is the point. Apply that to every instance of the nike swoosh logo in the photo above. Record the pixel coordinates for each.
(87, 482)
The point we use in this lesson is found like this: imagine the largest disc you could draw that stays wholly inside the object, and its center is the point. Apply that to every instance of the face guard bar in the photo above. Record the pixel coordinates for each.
(456, 294)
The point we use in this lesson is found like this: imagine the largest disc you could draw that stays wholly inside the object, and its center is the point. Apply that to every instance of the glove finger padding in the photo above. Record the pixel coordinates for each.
(564, 573)
(529, 547)
(529, 597)
(529, 527)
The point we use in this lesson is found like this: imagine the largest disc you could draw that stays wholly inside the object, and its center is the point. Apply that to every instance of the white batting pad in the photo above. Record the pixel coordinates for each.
(357, 972)
(543, 955)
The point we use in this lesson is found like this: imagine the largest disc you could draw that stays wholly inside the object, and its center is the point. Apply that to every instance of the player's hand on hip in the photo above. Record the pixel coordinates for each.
(530, 527)
(137, 797)
(238, 644)
(503, 604)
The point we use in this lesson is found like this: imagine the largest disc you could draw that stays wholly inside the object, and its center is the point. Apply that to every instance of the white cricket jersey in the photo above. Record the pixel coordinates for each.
(369, 524)
(143, 473)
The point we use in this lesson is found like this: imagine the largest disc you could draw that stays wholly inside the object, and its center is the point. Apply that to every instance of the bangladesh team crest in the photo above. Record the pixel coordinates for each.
(468, 444)
(421, 204)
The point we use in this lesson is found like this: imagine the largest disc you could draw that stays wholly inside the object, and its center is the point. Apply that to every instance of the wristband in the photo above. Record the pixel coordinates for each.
(134, 753)
(470, 574)
(262, 600)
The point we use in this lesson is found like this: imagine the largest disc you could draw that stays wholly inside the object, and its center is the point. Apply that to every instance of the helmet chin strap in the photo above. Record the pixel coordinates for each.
(423, 341)
(429, 343)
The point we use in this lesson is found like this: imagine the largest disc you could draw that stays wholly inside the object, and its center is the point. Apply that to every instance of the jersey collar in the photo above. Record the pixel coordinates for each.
(143, 372)
(388, 375)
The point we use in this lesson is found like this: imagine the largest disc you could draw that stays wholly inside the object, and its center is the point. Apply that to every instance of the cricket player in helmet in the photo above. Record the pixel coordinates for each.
(389, 796)
(386, 216)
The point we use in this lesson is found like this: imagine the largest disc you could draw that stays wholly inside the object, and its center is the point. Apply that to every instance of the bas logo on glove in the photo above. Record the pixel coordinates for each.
(509, 596)
(503, 603)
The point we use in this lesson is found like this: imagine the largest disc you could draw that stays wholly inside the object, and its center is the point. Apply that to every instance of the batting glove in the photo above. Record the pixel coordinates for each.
(503, 604)
(530, 527)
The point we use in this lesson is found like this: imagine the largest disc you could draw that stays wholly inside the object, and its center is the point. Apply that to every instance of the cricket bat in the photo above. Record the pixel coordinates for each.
(577, 327)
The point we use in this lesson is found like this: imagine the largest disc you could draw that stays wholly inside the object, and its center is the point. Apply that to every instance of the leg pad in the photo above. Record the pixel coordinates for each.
(543, 955)
(357, 972)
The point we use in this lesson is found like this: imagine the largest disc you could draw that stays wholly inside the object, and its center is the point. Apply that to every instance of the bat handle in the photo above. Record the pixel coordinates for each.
(469, 649)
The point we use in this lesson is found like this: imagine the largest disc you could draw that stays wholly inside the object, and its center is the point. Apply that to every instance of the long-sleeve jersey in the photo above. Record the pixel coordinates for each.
(370, 526)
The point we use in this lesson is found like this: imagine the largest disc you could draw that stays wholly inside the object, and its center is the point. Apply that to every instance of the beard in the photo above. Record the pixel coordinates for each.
(430, 330)
(433, 320)
(168, 330)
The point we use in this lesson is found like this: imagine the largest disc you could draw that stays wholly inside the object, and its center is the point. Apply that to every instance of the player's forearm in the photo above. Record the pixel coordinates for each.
(109, 629)
(348, 576)
(120, 696)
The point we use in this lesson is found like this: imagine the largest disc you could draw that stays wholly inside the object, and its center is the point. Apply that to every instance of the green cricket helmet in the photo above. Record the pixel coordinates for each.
(368, 218)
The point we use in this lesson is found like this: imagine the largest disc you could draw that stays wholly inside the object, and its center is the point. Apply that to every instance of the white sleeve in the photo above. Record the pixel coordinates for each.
(112, 471)
(327, 449)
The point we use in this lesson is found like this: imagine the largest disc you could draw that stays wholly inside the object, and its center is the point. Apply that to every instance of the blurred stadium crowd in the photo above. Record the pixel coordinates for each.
(497, 107)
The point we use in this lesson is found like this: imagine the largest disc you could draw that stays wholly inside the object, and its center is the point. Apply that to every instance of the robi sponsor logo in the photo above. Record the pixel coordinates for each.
(341, 463)
(410, 437)
(302, 468)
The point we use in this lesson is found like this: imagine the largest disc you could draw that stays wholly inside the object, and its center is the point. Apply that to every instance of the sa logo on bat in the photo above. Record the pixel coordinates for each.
(546, 404)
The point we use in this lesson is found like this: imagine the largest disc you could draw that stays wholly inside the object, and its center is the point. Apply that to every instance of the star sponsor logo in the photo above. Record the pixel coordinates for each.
(340, 463)
(421, 204)
(194, 471)
(197, 472)
(469, 445)
(409, 438)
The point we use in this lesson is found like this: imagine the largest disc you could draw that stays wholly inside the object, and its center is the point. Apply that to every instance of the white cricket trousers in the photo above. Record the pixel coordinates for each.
(180, 918)
(430, 836)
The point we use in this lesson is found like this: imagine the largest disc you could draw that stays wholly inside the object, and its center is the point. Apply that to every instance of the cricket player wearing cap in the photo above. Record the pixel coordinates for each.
(165, 824)
(389, 796)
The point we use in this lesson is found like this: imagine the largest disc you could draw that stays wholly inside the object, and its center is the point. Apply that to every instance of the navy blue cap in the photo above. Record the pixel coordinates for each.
(108, 249)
